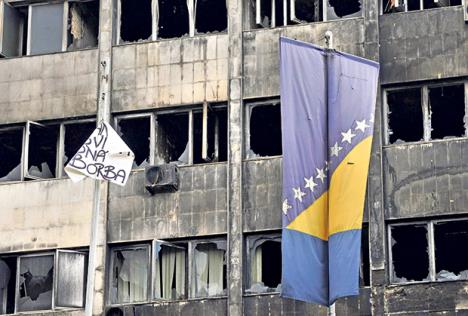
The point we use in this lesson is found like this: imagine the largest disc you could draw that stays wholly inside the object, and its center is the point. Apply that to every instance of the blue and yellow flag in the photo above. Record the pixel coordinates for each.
(327, 107)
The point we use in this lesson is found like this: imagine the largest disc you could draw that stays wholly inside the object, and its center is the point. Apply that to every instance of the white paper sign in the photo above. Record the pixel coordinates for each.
(104, 156)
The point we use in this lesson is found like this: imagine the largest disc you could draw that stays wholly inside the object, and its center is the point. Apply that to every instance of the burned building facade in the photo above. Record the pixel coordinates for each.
(196, 83)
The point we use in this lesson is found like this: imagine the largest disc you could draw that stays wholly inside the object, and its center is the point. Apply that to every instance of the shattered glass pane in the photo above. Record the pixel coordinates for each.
(11, 148)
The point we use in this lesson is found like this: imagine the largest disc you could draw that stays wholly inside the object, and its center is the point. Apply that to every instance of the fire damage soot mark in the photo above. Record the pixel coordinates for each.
(94, 148)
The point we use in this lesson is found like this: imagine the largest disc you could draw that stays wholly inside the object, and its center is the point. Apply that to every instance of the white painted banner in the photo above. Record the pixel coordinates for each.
(104, 156)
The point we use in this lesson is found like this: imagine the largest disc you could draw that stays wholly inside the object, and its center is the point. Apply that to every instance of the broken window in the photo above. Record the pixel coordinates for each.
(11, 149)
(170, 271)
(40, 287)
(83, 24)
(304, 11)
(447, 107)
(136, 133)
(41, 150)
(192, 137)
(337, 9)
(209, 266)
(7, 284)
(173, 18)
(449, 238)
(410, 253)
(264, 263)
(405, 117)
(264, 130)
(211, 16)
(129, 275)
(135, 20)
(15, 25)
(392, 6)
(76, 135)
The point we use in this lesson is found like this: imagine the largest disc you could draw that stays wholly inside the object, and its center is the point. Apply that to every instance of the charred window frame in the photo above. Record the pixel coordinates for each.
(45, 147)
(163, 19)
(424, 111)
(43, 28)
(263, 268)
(262, 121)
(438, 241)
(186, 137)
(394, 6)
(12, 153)
(50, 280)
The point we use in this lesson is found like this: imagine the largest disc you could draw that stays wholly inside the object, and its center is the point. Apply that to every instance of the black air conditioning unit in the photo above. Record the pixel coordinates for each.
(162, 178)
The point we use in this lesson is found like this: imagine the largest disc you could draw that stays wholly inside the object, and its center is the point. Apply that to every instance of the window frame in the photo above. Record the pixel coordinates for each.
(23, 131)
(426, 110)
(405, 6)
(430, 246)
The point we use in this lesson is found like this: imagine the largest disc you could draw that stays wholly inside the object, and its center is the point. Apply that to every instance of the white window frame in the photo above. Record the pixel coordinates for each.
(430, 244)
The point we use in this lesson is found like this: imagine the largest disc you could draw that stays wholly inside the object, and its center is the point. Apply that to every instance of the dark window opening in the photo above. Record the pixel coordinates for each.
(11, 147)
(392, 6)
(307, 10)
(173, 18)
(15, 31)
(265, 13)
(83, 24)
(76, 135)
(343, 8)
(265, 131)
(135, 20)
(216, 136)
(172, 137)
(42, 155)
(7, 285)
(405, 115)
(265, 264)
(414, 5)
(211, 16)
(447, 105)
(135, 132)
(450, 260)
(271, 263)
(364, 275)
(430, 4)
(410, 257)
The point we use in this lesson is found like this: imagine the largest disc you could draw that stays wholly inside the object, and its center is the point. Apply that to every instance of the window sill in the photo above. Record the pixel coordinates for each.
(52, 53)
(421, 10)
(261, 294)
(425, 142)
(262, 158)
(409, 283)
(186, 300)
(301, 24)
(147, 41)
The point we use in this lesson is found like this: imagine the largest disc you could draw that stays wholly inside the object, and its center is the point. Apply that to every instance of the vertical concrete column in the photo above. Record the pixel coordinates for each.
(101, 190)
(235, 153)
(375, 204)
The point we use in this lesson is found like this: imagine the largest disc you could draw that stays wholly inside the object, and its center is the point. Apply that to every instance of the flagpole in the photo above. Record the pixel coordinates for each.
(328, 50)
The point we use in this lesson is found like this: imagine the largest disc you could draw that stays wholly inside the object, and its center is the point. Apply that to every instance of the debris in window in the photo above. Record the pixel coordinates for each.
(393, 6)
(173, 18)
(410, 257)
(265, 130)
(135, 20)
(11, 144)
(344, 8)
(265, 265)
(76, 135)
(447, 105)
(170, 267)
(264, 14)
(36, 283)
(129, 281)
(15, 21)
(449, 238)
(405, 117)
(136, 133)
(211, 16)
(209, 270)
(42, 155)
(172, 138)
(216, 134)
(83, 25)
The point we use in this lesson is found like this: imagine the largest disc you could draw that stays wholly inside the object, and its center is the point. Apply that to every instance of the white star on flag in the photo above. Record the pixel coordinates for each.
(286, 207)
(310, 183)
(361, 125)
(335, 150)
(348, 136)
(321, 174)
(298, 194)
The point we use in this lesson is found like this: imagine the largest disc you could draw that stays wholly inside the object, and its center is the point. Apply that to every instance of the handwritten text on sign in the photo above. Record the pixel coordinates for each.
(103, 156)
